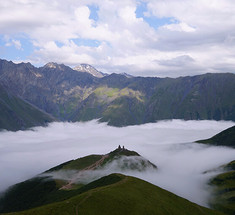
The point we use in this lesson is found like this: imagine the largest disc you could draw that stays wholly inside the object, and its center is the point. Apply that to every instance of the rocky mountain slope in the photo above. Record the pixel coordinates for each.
(119, 100)
(17, 114)
(89, 69)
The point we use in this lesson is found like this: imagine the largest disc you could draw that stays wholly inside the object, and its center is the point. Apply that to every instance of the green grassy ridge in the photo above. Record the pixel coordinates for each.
(16, 114)
(81, 163)
(224, 190)
(45, 188)
(122, 151)
(28, 194)
(141, 164)
(59, 167)
(127, 195)
(88, 161)
(224, 138)
(230, 166)
(84, 162)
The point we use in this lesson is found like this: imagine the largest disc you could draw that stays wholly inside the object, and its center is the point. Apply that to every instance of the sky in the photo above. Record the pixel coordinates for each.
(140, 37)
(168, 144)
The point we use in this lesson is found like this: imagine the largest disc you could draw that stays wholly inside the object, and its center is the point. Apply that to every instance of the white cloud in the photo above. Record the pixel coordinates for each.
(128, 14)
(179, 61)
(201, 29)
(179, 27)
(17, 44)
(12, 42)
(168, 144)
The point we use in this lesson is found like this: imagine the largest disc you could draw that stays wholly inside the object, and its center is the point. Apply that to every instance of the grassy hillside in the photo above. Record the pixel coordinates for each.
(224, 138)
(117, 106)
(17, 114)
(67, 179)
(118, 194)
(224, 190)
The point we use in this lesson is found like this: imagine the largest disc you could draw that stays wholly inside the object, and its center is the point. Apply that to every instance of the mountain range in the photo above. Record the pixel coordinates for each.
(67, 94)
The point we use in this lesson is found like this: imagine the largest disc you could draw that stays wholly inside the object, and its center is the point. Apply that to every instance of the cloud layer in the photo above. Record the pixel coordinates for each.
(168, 144)
(140, 37)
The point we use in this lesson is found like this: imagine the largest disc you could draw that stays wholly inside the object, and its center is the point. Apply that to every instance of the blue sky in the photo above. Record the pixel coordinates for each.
(11, 51)
(148, 37)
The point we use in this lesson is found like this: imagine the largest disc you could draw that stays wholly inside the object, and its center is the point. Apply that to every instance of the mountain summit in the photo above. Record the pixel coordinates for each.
(89, 69)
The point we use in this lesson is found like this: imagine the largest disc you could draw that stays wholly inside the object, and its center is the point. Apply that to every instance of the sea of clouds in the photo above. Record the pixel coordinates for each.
(168, 144)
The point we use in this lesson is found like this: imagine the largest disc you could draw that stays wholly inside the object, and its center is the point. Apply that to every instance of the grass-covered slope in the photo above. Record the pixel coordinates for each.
(224, 190)
(224, 138)
(67, 179)
(16, 114)
(118, 195)
(40, 191)
(117, 106)
(95, 162)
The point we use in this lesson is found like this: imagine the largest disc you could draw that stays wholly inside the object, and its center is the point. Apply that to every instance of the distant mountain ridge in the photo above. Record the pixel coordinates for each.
(117, 99)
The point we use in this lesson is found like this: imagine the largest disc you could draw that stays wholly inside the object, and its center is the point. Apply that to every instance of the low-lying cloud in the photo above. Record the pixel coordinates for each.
(128, 165)
(168, 144)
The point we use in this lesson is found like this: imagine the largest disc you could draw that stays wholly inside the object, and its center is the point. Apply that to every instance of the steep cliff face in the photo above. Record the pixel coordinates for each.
(117, 99)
